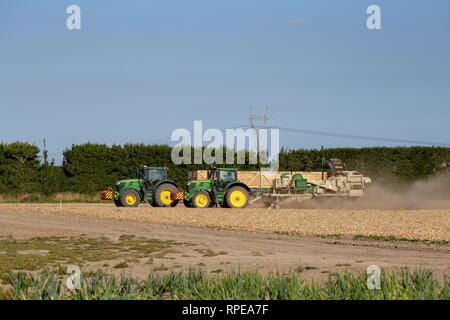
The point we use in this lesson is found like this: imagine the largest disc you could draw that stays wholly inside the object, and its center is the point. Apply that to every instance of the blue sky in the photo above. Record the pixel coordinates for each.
(137, 70)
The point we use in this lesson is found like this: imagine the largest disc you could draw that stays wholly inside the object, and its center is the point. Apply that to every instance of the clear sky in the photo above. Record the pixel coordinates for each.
(137, 70)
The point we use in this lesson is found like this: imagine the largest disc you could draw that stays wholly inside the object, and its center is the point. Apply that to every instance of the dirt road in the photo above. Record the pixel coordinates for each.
(243, 249)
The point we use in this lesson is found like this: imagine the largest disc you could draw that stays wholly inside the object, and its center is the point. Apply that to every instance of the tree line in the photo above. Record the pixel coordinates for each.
(89, 168)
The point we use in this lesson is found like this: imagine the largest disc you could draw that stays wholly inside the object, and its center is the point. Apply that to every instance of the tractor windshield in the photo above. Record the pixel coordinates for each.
(154, 174)
(227, 176)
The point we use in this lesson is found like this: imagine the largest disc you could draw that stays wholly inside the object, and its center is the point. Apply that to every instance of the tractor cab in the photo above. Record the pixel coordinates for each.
(152, 174)
(221, 177)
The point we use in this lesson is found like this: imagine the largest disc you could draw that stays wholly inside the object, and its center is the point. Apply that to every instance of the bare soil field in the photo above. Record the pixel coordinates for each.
(432, 225)
(220, 239)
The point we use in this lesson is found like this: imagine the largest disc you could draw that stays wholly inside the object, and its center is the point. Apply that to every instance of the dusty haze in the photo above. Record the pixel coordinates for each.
(430, 193)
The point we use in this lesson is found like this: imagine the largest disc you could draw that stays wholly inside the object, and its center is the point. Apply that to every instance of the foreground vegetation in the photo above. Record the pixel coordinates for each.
(196, 284)
(36, 268)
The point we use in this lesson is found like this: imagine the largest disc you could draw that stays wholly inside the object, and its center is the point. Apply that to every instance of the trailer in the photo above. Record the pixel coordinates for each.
(277, 187)
(295, 187)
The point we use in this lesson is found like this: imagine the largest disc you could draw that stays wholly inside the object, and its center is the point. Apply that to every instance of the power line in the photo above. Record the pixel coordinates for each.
(352, 136)
(324, 133)
(253, 118)
(170, 140)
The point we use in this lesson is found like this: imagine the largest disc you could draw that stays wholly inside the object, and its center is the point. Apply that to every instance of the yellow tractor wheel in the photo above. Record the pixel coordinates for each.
(201, 200)
(237, 197)
(130, 198)
(162, 195)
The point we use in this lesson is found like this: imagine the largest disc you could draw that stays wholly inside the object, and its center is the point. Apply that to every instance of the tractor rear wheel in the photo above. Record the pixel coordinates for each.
(201, 200)
(236, 197)
(130, 198)
(162, 195)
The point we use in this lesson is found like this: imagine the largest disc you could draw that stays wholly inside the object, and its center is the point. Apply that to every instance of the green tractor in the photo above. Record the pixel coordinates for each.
(151, 186)
(222, 188)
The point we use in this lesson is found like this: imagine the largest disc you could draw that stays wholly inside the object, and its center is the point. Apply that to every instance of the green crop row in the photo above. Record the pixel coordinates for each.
(196, 284)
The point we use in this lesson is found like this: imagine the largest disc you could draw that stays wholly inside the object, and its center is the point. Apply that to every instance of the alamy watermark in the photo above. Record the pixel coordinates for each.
(373, 22)
(262, 143)
(74, 280)
(373, 280)
(74, 20)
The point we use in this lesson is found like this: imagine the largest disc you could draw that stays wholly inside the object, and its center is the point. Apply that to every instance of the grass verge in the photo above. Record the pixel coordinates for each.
(383, 238)
(392, 238)
(57, 252)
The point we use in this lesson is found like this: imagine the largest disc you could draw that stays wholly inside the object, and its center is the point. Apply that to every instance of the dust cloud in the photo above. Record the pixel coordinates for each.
(430, 193)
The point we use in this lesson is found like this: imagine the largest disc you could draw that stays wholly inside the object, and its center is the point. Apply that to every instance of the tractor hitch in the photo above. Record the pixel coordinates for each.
(177, 195)
(107, 194)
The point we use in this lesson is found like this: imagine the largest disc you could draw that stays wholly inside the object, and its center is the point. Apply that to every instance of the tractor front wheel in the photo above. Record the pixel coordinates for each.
(130, 198)
(201, 200)
(236, 197)
(117, 203)
(162, 195)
